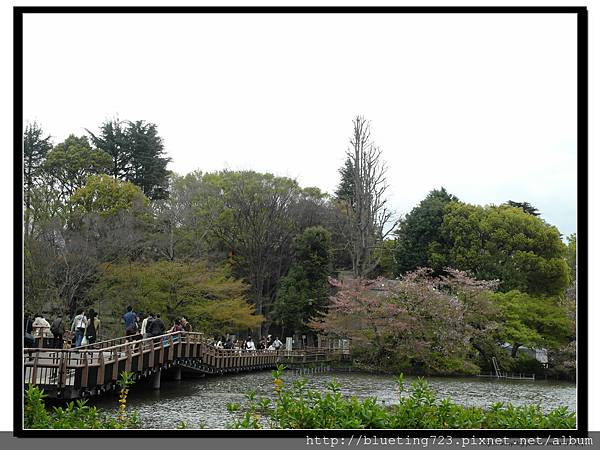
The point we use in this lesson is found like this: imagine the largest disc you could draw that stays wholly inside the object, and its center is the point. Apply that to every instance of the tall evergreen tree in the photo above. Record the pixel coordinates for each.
(419, 229)
(148, 164)
(112, 140)
(345, 190)
(137, 154)
(35, 149)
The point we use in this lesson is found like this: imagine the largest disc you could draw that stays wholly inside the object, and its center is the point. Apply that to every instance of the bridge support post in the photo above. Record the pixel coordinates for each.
(156, 380)
(177, 373)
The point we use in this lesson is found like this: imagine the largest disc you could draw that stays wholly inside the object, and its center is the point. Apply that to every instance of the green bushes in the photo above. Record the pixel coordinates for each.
(76, 414)
(297, 407)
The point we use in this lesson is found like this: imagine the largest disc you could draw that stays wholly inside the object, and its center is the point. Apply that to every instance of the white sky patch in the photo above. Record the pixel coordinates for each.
(482, 104)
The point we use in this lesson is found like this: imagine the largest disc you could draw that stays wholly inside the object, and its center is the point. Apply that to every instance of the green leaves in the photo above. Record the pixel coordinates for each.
(502, 242)
(533, 321)
(207, 296)
(298, 407)
(419, 229)
(75, 415)
(106, 196)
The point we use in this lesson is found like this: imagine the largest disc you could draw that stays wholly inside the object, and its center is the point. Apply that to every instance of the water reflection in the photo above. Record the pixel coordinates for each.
(204, 401)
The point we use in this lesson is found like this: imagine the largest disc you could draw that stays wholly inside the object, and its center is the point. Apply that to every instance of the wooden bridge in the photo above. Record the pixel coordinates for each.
(94, 369)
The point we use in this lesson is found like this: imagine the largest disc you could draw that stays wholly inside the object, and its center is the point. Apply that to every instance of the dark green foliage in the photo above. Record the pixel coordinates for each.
(419, 229)
(418, 408)
(529, 209)
(112, 140)
(137, 154)
(148, 168)
(505, 243)
(305, 291)
(345, 190)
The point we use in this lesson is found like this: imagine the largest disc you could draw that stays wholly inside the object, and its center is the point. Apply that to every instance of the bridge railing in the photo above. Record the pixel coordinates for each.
(75, 366)
(100, 364)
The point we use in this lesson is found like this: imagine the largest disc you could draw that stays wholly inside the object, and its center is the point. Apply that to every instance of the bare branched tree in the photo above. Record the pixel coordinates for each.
(366, 220)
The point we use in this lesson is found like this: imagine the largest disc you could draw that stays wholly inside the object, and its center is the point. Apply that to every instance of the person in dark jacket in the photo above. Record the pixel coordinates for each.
(156, 327)
(93, 326)
(58, 330)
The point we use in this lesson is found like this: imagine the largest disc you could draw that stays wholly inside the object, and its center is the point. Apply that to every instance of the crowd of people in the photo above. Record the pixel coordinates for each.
(84, 329)
(241, 345)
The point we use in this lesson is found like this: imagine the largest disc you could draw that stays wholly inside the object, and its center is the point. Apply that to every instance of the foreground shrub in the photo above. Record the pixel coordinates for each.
(298, 407)
(76, 414)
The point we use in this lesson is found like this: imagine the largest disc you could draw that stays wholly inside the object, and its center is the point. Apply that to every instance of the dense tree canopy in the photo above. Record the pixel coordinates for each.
(106, 196)
(533, 321)
(419, 229)
(505, 243)
(209, 297)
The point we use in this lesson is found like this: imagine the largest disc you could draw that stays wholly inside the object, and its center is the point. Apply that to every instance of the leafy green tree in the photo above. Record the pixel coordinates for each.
(106, 196)
(505, 243)
(208, 296)
(532, 321)
(71, 162)
(419, 229)
(305, 291)
(35, 149)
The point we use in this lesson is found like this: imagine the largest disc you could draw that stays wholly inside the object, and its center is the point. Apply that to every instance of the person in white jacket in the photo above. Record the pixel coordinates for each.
(250, 344)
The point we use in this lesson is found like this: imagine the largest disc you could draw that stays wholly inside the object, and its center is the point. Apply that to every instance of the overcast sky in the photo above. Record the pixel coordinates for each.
(482, 104)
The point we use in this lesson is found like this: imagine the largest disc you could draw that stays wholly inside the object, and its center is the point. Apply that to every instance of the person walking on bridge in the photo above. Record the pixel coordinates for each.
(130, 319)
(146, 324)
(93, 327)
(58, 330)
(78, 326)
(156, 327)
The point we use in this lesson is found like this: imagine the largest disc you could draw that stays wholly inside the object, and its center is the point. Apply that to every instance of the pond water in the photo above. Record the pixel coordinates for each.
(203, 401)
